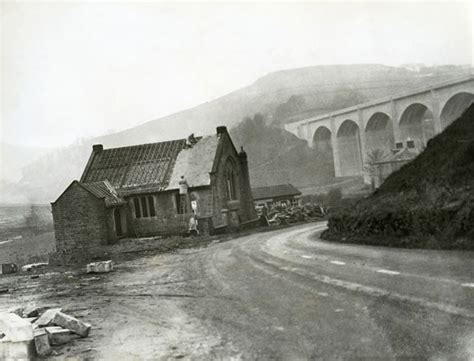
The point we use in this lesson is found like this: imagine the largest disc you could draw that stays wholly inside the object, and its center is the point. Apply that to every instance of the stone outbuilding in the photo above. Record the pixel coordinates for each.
(383, 168)
(276, 195)
(134, 191)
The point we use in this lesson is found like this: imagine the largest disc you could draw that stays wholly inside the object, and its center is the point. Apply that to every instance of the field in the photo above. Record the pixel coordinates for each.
(26, 233)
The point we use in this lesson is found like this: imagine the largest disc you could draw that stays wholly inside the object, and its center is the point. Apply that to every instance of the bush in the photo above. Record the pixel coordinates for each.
(334, 197)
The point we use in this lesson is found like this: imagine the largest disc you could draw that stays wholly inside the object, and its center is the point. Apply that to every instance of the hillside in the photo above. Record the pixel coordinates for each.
(277, 157)
(427, 203)
(321, 87)
(314, 89)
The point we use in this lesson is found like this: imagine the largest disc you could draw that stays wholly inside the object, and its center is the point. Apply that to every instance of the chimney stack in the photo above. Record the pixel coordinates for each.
(222, 129)
(410, 144)
(96, 148)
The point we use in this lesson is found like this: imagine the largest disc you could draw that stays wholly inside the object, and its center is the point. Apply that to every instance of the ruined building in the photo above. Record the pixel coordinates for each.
(153, 189)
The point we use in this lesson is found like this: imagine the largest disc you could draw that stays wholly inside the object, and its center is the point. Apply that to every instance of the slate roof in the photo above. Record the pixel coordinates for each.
(104, 189)
(195, 163)
(154, 166)
(280, 190)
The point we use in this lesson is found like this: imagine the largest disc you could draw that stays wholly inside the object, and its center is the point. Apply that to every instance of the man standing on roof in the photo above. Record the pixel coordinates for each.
(183, 186)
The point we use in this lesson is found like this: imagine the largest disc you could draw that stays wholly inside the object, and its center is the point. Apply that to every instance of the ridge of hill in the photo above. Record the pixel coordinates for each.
(315, 89)
(428, 203)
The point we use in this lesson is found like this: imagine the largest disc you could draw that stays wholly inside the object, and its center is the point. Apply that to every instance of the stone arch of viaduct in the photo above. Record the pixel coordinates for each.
(350, 134)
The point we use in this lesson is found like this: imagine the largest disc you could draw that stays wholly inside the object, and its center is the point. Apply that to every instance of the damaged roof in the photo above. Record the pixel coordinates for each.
(195, 163)
(154, 166)
(280, 190)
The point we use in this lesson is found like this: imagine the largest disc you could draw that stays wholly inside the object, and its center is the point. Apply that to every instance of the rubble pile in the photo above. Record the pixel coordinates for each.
(26, 333)
(285, 215)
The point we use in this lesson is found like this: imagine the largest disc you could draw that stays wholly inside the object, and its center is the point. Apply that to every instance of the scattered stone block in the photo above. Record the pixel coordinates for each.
(47, 317)
(58, 335)
(34, 311)
(100, 267)
(42, 345)
(16, 310)
(31, 319)
(29, 267)
(8, 268)
(14, 351)
(15, 328)
(71, 323)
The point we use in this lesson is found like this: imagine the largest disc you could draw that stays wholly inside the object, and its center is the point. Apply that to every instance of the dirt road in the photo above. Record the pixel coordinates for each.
(280, 295)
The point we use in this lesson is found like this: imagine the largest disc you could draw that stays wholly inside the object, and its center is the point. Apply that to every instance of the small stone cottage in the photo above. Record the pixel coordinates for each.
(154, 189)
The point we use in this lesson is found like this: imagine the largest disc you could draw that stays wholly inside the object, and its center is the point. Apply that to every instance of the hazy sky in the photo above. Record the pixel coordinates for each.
(75, 69)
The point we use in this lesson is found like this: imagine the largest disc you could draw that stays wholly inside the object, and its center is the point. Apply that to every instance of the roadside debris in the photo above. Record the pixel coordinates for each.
(100, 267)
(26, 336)
(72, 324)
(8, 268)
(58, 335)
(29, 267)
(47, 317)
(284, 215)
(33, 311)
(42, 345)
(16, 310)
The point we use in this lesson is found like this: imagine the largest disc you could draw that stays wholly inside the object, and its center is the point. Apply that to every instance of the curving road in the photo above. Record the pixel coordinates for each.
(288, 295)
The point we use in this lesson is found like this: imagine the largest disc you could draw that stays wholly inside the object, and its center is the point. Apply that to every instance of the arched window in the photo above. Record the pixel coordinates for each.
(230, 179)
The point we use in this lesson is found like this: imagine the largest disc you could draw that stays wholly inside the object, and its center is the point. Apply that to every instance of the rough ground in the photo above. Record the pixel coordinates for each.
(276, 295)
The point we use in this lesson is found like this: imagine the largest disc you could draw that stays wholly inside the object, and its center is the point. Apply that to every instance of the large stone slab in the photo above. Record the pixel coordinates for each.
(100, 267)
(71, 323)
(47, 317)
(42, 345)
(58, 335)
(34, 311)
(15, 328)
(15, 351)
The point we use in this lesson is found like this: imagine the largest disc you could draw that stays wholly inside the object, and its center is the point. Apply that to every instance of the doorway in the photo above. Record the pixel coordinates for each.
(118, 222)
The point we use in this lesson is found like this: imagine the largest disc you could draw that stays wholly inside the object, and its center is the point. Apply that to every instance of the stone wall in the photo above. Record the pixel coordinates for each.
(229, 212)
(167, 219)
(80, 219)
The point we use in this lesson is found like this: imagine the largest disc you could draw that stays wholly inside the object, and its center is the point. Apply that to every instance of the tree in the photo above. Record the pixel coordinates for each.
(373, 156)
(293, 105)
(334, 196)
(33, 220)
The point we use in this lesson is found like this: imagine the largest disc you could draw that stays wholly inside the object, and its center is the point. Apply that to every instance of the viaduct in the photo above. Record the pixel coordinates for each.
(350, 134)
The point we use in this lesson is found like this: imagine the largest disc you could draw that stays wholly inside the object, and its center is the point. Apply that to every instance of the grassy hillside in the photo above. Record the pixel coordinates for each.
(427, 203)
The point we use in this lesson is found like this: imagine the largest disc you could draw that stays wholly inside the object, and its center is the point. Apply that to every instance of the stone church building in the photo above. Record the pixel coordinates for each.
(134, 191)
